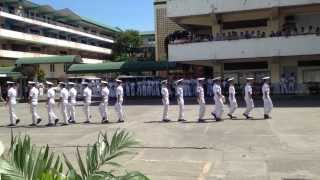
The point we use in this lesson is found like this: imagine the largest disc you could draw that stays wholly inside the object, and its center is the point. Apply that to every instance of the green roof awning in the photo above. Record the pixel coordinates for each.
(128, 66)
(9, 72)
(50, 60)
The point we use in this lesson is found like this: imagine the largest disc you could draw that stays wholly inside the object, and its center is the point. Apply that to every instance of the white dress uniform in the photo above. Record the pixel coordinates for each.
(180, 101)
(165, 102)
(12, 95)
(51, 102)
(248, 99)
(201, 101)
(87, 94)
(232, 100)
(64, 95)
(34, 94)
(104, 103)
(267, 102)
(118, 105)
(283, 85)
(72, 104)
(218, 101)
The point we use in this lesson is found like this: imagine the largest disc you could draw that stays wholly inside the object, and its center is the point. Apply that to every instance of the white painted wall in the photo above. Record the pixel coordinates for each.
(51, 26)
(178, 8)
(251, 48)
(14, 35)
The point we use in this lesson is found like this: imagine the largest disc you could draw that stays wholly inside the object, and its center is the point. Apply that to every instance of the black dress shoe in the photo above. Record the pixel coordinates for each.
(39, 120)
(201, 121)
(72, 122)
(56, 121)
(266, 116)
(166, 120)
(33, 124)
(17, 121)
(181, 120)
(49, 125)
(64, 124)
(104, 121)
(120, 121)
(218, 119)
(246, 116)
(11, 125)
(230, 116)
(86, 122)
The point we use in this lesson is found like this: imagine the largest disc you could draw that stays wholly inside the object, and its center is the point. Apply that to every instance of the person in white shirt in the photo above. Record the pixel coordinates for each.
(103, 108)
(165, 100)
(180, 100)
(64, 102)
(267, 102)
(87, 94)
(232, 98)
(218, 99)
(72, 102)
(11, 102)
(33, 100)
(248, 98)
(118, 105)
(51, 102)
(201, 99)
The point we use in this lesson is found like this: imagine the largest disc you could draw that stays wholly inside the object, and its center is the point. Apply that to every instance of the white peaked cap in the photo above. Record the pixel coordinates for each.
(201, 79)
(10, 82)
(84, 83)
(104, 82)
(216, 78)
(265, 78)
(230, 79)
(49, 83)
(71, 83)
(177, 81)
(164, 81)
(249, 78)
(31, 82)
(118, 80)
(63, 83)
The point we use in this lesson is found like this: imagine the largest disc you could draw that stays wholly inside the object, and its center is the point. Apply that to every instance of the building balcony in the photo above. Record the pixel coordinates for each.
(245, 48)
(20, 36)
(181, 8)
(38, 21)
(9, 54)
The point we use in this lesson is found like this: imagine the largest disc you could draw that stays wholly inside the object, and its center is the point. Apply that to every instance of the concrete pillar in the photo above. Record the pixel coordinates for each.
(274, 68)
(217, 69)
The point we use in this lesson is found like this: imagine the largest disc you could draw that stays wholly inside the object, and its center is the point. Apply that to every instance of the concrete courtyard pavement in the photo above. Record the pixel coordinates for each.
(285, 147)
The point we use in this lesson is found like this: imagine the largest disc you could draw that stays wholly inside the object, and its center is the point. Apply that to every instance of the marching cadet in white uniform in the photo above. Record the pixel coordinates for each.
(33, 99)
(201, 99)
(51, 102)
(87, 94)
(248, 98)
(180, 100)
(104, 102)
(267, 102)
(165, 100)
(72, 102)
(11, 102)
(118, 105)
(232, 98)
(218, 99)
(64, 96)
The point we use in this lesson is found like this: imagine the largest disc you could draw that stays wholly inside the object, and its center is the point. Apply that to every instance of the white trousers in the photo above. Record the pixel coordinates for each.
(268, 105)
(181, 109)
(35, 116)
(103, 108)
(165, 111)
(202, 109)
(283, 89)
(249, 106)
(218, 111)
(86, 109)
(119, 110)
(72, 111)
(52, 116)
(65, 112)
(233, 106)
(12, 112)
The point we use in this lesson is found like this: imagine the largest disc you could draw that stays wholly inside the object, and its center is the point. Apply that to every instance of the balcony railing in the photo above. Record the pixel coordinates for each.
(49, 21)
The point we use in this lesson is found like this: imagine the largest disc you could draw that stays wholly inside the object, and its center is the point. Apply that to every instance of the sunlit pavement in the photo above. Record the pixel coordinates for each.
(287, 146)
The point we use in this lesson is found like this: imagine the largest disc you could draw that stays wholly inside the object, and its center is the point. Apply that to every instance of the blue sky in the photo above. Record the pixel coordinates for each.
(126, 14)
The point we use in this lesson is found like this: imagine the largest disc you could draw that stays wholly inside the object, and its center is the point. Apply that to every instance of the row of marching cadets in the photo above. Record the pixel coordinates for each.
(67, 102)
(219, 99)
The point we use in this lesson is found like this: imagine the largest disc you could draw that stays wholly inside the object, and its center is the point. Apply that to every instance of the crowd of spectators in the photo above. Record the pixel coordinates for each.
(181, 37)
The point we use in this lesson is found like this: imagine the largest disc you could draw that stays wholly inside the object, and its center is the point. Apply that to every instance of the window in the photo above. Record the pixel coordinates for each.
(311, 76)
(245, 65)
(245, 24)
(52, 66)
